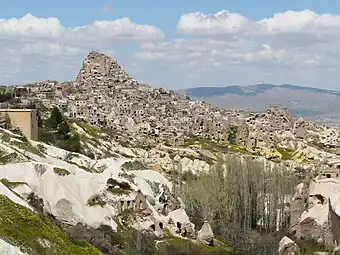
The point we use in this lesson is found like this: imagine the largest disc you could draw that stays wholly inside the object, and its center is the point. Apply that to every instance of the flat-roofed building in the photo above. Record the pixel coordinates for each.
(25, 119)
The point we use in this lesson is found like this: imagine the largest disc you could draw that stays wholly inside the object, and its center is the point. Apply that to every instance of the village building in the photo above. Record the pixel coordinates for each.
(25, 119)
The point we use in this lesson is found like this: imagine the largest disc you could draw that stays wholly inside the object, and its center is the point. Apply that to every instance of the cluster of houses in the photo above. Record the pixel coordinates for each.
(103, 94)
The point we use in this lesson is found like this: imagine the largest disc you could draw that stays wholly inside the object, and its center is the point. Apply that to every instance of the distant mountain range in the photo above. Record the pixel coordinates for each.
(313, 103)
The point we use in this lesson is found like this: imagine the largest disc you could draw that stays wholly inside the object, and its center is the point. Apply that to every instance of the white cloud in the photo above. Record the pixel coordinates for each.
(225, 23)
(305, 21)
(30, 26)
(222, 22)
(300, 47)
(45, 47)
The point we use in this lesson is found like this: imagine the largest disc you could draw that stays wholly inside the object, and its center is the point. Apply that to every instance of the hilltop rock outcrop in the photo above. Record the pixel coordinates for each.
(104, 94)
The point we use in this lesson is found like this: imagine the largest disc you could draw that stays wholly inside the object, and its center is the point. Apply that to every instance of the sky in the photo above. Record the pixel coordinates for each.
(175, 44)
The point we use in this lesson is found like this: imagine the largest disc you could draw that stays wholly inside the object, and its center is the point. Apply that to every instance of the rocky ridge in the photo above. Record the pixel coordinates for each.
(85, 195)
(138, 115)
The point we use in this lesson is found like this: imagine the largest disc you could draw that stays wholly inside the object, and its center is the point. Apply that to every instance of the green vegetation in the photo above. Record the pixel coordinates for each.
(21, 227)
(25, 145)
(55, 119)
(175, 245)
(118, 191)
(232, 135)
(133, 242)
(61, 171)
(5, 137)
(240, 149)
(71, 143)
(206, 144)
(232, 197)
(5, 96)
(310, 246)
(133, 165)
(91, 130)
(20, 142)
(11, 185)
(59, 131)
(287, 154)
(56, 131)
(7, 158)
(96, 202)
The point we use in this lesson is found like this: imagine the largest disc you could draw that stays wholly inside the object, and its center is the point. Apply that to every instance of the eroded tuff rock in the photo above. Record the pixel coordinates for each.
(288, 247)
(205, 234)
(315, 210)
(91, 204)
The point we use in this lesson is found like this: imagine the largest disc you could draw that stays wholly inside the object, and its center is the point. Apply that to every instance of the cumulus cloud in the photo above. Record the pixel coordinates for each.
(30, 26)
(49, 41)
(300, 47)
(34, 35)
(288, 47)
(222, 22)
(225, 22)
(290, 38)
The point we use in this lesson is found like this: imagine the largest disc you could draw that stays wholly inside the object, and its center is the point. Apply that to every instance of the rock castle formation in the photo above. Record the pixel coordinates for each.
(105, 95)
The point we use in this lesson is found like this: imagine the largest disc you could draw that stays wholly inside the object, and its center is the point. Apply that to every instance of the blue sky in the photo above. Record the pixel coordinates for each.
(164, 14)
(289, 49)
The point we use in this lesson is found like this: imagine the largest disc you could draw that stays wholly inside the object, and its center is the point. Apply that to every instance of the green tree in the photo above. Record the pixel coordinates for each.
(71, 144)
(63, 130)
(55, 119)
(39, 119)
(240, 197)
(233, 135)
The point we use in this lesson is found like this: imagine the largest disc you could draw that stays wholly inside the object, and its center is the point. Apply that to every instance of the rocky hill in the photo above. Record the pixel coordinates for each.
(131, 160)
(317, 104)
(49, 195)
(138, 115)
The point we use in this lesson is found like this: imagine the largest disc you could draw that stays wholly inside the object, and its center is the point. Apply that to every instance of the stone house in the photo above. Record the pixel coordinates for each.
(329, 172)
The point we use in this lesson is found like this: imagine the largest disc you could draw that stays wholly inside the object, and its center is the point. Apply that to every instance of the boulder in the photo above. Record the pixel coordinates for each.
(288, 247)
(206, 235)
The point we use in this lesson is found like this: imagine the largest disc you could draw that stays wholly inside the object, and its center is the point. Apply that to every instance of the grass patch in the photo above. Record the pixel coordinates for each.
(5, 137)
(95, 203)
(91, 130)
(206, 144)
(286, 154)
(176, 245)
(21, 227)
(118, 191)
(133, 165)
(61, 171)
(27, 146)
(11, 185)
(7, 158)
